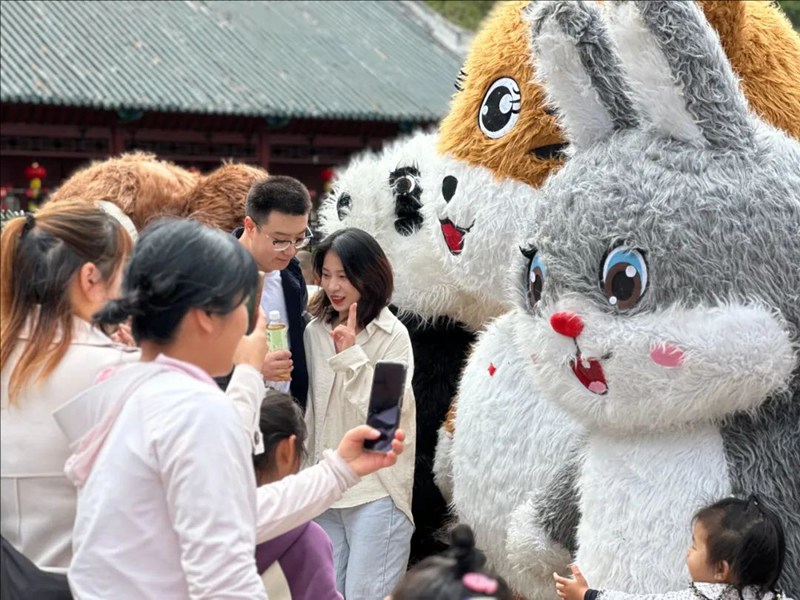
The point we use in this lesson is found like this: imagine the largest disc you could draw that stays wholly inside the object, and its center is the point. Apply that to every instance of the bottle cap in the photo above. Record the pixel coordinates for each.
(274, 315)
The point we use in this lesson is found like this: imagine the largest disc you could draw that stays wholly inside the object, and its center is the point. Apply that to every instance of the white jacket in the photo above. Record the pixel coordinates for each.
(37, 502)
(384, 338)
(168, 504)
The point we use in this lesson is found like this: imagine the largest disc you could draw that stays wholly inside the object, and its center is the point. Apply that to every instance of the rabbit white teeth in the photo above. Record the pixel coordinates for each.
(590, 373)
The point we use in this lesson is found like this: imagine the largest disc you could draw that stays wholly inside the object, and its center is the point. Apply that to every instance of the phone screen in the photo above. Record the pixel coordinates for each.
(385, 403)
(253, 303)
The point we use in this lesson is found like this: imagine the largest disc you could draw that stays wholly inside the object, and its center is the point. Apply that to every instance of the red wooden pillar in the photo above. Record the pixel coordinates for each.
(117, 144)
(263, 148)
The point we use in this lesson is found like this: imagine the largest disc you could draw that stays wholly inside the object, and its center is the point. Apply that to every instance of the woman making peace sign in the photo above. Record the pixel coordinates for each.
(371, 525)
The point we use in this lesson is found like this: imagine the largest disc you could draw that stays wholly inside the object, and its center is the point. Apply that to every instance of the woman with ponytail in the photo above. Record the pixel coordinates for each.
(59, 267)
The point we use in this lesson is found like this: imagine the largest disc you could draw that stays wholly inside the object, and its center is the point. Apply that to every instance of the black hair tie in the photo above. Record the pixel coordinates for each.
(30, 223)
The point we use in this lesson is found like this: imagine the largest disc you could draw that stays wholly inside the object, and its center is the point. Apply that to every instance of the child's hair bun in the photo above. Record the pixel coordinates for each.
(462, 548)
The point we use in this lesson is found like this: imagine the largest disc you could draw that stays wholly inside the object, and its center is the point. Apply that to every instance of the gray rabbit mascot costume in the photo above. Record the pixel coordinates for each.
(658, 304)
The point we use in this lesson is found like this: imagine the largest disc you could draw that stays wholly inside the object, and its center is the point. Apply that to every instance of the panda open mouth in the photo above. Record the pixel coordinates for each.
(454, 236)
(590, 373)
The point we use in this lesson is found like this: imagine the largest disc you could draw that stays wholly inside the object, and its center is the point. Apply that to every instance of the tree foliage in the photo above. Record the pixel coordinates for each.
(792, 10)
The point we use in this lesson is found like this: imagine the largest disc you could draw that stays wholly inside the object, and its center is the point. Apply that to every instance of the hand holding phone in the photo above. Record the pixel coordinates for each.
(363, 462)
(386, 403)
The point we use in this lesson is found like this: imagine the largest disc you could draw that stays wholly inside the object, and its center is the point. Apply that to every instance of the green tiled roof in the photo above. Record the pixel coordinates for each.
(334, 60)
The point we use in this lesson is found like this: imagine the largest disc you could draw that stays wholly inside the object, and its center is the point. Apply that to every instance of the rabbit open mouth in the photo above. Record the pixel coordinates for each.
(590, 373)
(454, 236)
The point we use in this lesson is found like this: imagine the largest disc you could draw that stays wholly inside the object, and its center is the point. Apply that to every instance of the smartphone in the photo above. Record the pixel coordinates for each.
(253, 304)
(385, 403)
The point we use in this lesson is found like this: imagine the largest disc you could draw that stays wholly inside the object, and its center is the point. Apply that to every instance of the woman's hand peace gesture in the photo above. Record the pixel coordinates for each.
(344, 335)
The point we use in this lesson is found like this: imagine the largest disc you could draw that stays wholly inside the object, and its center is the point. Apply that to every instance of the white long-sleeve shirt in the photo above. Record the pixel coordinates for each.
(37, 501)
(340, 385)
(169, 510)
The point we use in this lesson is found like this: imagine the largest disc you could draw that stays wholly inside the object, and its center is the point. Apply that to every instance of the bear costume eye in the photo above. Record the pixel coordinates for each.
(343, 205)
(405, 184)
(624, 277)
(406, 189)
(500, 108)
(536, 275)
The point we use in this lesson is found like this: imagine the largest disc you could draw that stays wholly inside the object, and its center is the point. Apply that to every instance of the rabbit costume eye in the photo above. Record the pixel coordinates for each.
(500, 108)
(624, 277)
(536, 274)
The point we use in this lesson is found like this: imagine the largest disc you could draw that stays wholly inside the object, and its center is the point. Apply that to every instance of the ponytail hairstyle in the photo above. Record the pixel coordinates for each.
(749, 536)
(179, 265)
(457, 573)
(41, 256)
(281, 418)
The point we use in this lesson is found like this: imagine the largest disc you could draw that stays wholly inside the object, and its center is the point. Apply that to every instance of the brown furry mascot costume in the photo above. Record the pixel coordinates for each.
(145, 188)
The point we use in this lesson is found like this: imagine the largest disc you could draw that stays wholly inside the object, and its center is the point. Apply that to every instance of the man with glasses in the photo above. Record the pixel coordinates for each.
(275, 228)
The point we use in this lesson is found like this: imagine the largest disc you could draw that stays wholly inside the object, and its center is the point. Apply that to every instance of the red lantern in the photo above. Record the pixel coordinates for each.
(327, 180)
(35, 173)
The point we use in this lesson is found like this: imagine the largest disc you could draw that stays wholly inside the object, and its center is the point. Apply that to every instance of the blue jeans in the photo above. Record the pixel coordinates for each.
(371, 544)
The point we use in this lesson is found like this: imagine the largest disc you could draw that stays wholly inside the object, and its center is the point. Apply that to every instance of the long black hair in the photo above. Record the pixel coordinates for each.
(178, 265)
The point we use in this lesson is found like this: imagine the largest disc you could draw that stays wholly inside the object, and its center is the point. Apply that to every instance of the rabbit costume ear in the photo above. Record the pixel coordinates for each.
(681, 78)
(578, 65)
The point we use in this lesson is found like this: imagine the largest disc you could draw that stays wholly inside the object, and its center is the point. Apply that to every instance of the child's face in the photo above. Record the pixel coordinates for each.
(287, 462)
(287, 458)
(700, 568)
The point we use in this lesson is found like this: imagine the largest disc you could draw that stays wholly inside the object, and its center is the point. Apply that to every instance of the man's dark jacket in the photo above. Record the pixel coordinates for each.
(295, 294)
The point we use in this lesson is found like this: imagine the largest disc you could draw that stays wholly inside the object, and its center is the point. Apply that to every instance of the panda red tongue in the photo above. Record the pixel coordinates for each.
(590, 373)
(453, 237)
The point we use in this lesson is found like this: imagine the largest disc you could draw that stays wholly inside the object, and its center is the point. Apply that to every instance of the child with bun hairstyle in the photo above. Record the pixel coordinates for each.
(737, 553)
(458, 573)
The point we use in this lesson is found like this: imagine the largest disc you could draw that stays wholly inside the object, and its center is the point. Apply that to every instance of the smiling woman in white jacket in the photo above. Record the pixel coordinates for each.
(371, 526)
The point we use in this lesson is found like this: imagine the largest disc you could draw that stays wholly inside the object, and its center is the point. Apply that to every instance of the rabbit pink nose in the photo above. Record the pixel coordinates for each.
(567, 323)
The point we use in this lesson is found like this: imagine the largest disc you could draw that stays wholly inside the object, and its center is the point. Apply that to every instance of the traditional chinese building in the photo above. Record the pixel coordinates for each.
(296, 87)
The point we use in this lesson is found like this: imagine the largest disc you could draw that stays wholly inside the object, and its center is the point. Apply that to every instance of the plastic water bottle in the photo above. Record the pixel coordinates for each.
(277, 332)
